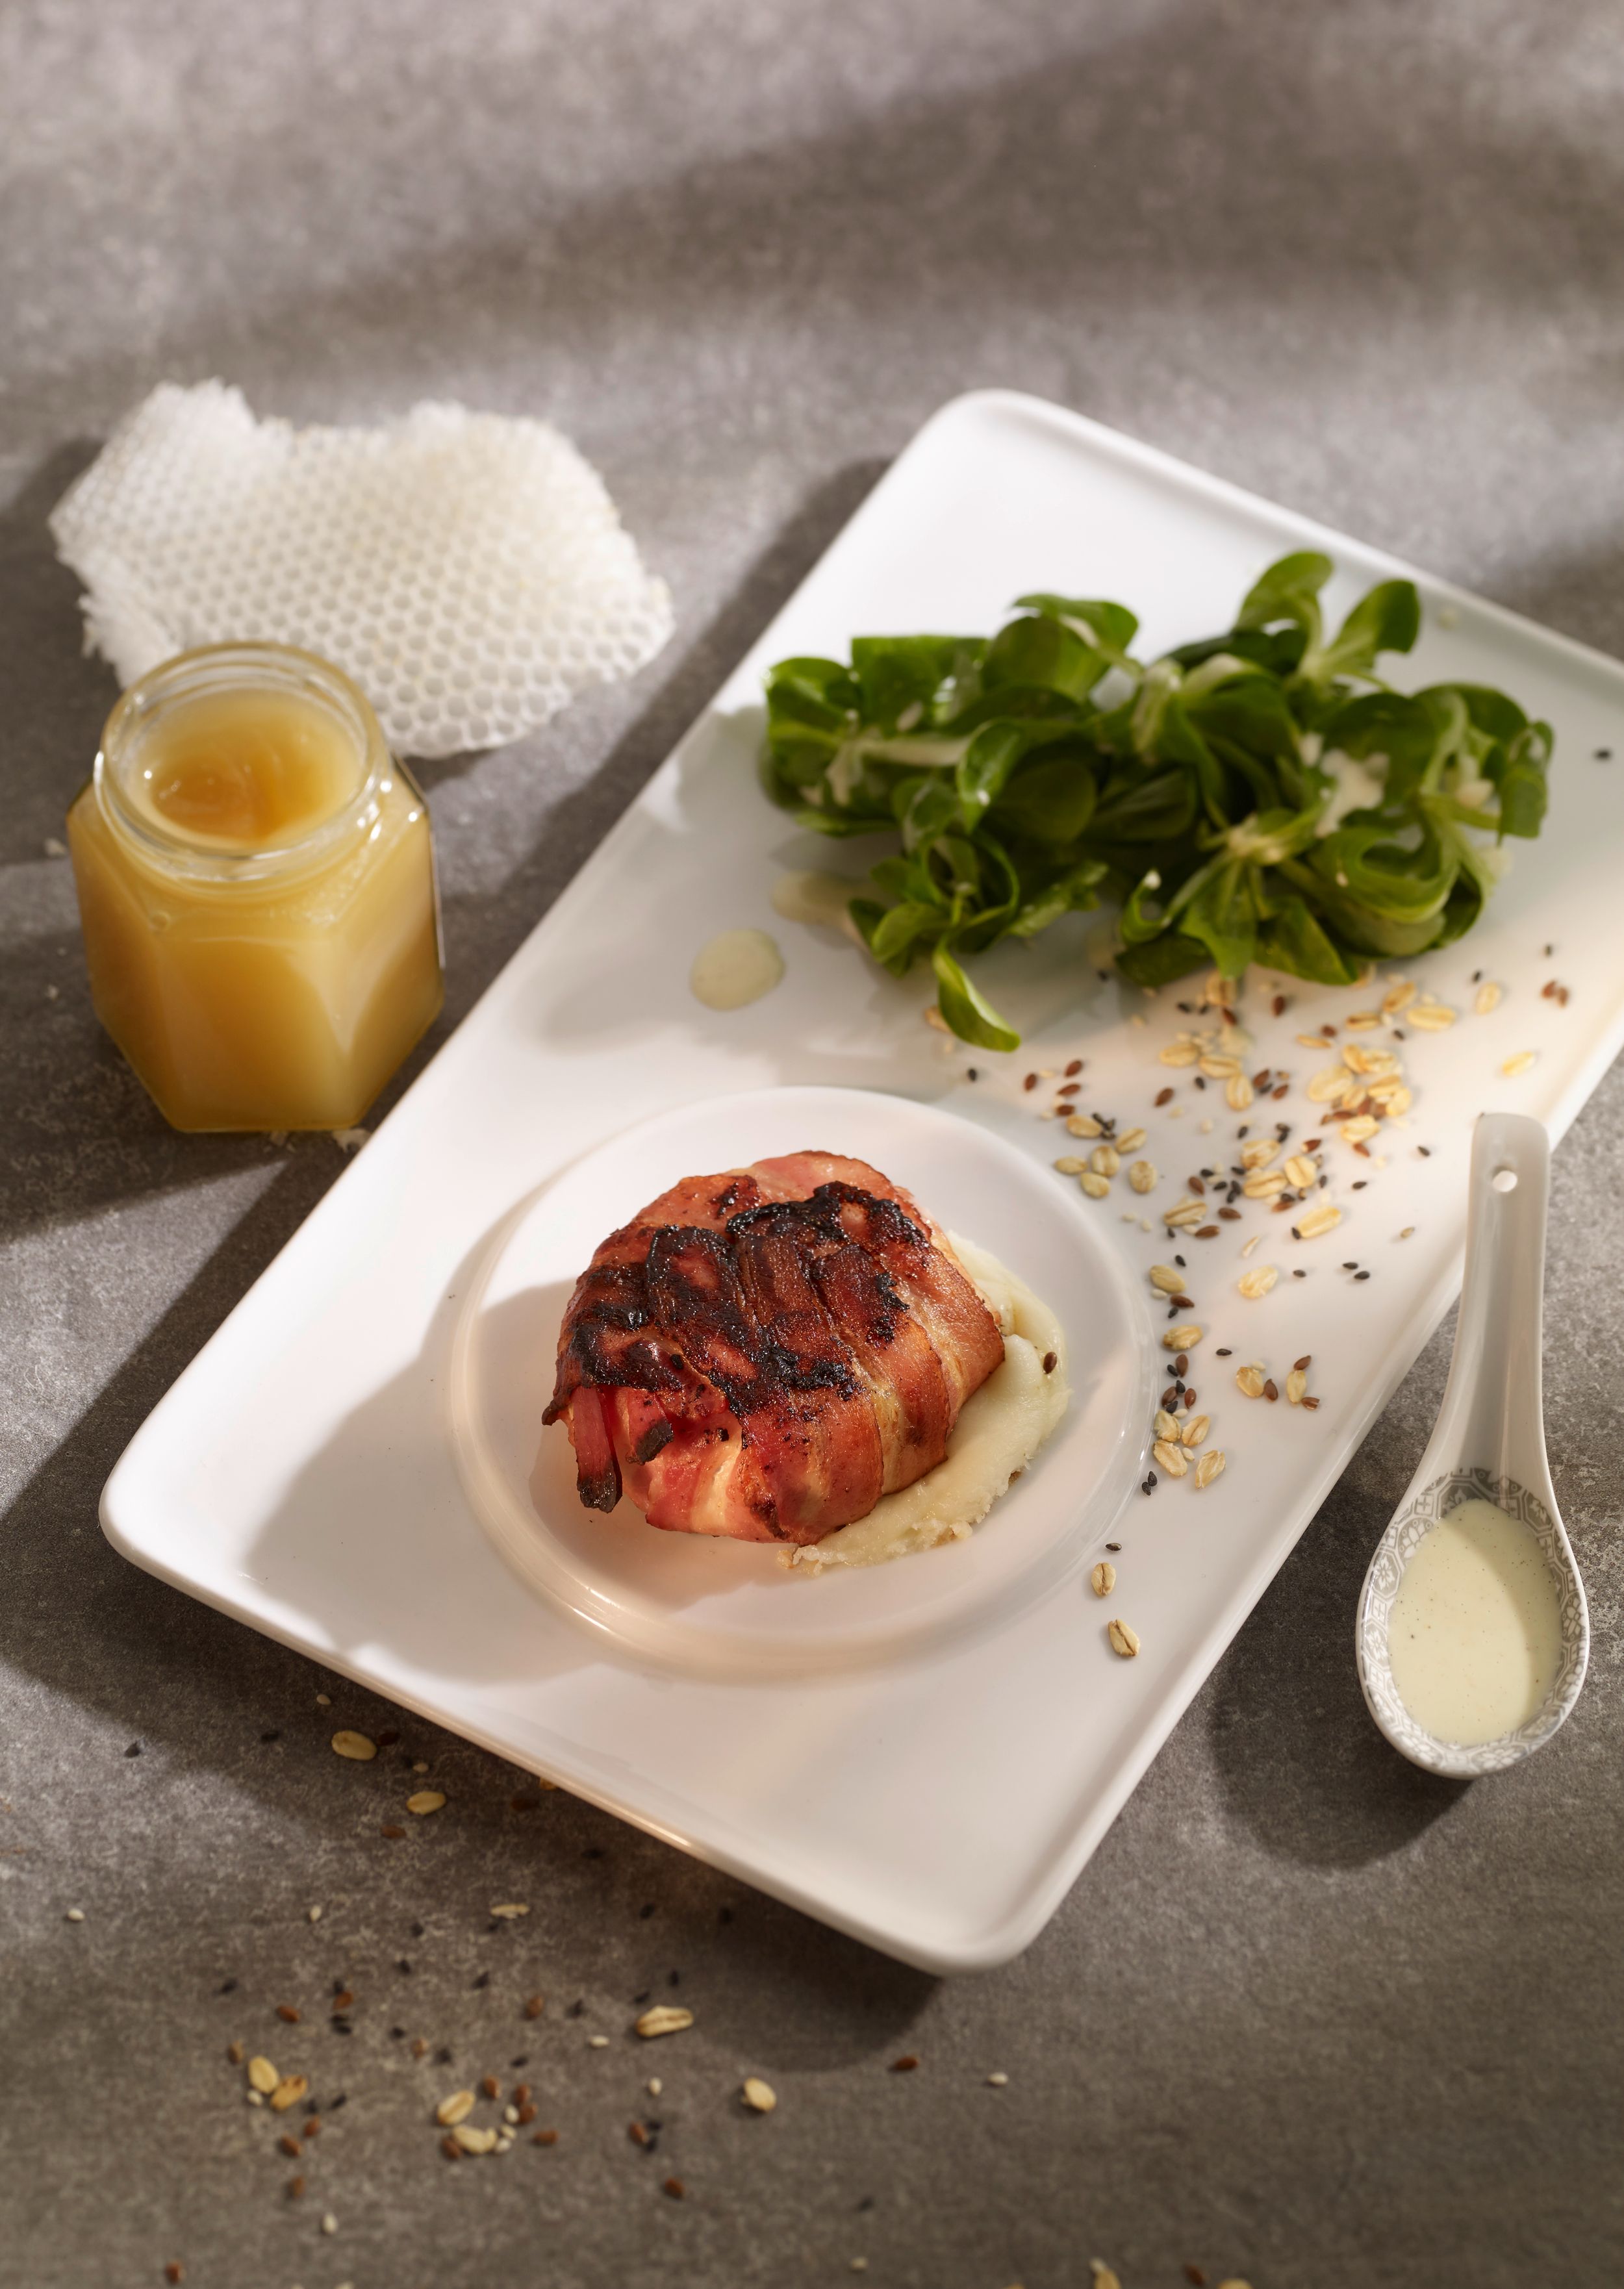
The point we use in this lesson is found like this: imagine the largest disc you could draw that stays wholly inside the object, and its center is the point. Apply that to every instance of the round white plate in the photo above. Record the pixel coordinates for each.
(732, 1609)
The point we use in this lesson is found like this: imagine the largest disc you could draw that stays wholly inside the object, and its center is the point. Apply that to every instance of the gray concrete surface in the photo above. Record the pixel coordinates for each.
(1308, 2019)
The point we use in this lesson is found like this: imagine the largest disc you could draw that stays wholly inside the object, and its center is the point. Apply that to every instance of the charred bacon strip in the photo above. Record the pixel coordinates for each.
(762, 1353)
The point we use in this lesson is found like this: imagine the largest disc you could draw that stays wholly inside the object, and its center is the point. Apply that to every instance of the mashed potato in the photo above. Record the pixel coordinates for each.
(1001, 1428)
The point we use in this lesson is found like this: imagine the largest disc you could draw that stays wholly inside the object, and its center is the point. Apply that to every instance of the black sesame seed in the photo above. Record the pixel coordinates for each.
(273, 1736)
(523, 2060)
(1362, 1275)
(397, 2034)
(483, 1980)
(229, 1989)
(645, 1911)
(1299, 1275)
(1178, 1260)
(1112, 1545)
(642, 1994)
(417, 1931)
(135, 1748)
(972, 1073)
(1604, 754)
(1225, 1353)
(403, 1964)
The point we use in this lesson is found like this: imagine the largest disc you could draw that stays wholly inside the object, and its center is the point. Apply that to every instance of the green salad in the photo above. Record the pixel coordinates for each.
(1205, 793)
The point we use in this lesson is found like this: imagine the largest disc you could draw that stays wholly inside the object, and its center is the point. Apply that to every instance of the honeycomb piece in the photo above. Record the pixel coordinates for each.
(469, 571)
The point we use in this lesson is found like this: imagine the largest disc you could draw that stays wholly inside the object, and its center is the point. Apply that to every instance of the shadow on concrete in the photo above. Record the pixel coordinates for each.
(1297, 1755)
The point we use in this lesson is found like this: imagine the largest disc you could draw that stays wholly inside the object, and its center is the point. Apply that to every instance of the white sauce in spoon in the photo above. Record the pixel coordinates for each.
(1475, 1634)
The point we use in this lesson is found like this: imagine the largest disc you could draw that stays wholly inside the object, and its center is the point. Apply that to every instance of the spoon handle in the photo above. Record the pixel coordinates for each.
(1492, 1414)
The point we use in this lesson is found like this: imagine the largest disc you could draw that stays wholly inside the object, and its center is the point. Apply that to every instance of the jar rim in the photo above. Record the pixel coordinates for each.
(240, 667)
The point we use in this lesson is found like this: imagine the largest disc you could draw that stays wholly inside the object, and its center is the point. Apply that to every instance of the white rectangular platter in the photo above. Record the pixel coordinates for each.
(297, 1475)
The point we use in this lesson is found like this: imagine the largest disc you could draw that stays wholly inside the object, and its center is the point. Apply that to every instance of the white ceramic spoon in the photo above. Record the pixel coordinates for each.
(1489, 1442)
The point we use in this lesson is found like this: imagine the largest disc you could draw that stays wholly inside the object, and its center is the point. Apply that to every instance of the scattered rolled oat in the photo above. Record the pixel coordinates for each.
(1094, 1184)
(1142, 1176)
(1181, 1338)
(1069, 1165)
(1248, 1381)
(1430, 1016)
(1124, 1640)
(424, 1802)
(1103, 1579)
(1194, 1430)
(472, 2138)
(1181, 1052)
(1254, 1284)
(1084, 1124)
(1171, 1457)
(1105, 1159)
(1519, 1064)
(1238, 1092)
(759, 2096)
(1208, 1468)
(1320, 1220)
(356, 1746)
(1296, 1383)
(664, 2019)
(288, 2092)
(454, 2110)
(1399, 996)
(1130, 1140)
(1263, 1183)
(1488, 997)
(262, 2075)
(1164, 1277)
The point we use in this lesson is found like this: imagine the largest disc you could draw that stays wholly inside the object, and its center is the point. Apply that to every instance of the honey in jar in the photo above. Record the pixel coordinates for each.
(256, 886)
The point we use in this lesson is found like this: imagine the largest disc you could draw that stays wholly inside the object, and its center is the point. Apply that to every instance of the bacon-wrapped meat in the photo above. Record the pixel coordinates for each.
(764, 1353)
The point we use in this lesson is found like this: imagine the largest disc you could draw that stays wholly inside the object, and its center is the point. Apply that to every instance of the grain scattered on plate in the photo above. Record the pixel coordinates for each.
(759, 2096)
(1430, 1016)
(1238, 1092)
(262, 2075)
(1520, 1064)
(1142, 1176)
(424, 1802)
(1103, 1579)
(472, 2138)
(356, 1746)
(288, 2092)
(1181, 1338)
(1194, 1430)
(1171, 1456)
(1317, 1221)
(1254, 1284)
(1164, 1277)
(1488, 997)
(1248, 1381)
(1210, 1466)
(1094, 1184)
(1124, 1640)
(1084, 1124)
(454, 2110)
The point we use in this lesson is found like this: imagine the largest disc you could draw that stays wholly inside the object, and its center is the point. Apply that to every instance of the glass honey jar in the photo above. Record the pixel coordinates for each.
(256, 885)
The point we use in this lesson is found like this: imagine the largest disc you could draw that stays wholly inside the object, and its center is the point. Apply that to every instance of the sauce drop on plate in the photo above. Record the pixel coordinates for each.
(735, 967)
(1475, 1634)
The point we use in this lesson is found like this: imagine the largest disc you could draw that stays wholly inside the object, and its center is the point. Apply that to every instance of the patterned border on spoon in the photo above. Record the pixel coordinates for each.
(1398, 1546)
